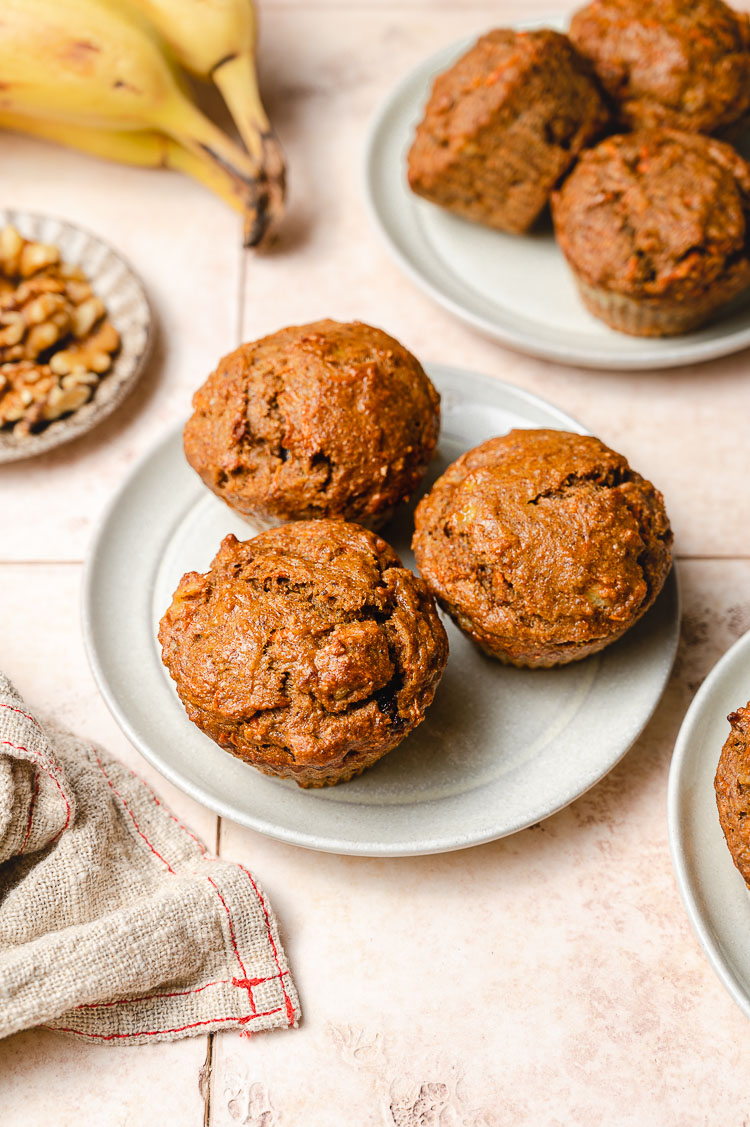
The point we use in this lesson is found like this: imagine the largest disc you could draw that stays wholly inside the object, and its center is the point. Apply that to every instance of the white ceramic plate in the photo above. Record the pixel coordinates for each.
(119, 287)
(517, 289)
(500, 749)
(714, 893)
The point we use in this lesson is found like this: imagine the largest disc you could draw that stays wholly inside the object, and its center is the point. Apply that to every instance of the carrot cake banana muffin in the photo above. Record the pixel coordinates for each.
(668, 62)
(543, 546)
(655, 228)
(503, 125)
(732, 785)
(308, 651)
(320, 420)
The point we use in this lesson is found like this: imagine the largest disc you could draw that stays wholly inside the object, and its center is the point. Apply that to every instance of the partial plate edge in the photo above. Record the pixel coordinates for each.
(676, 802)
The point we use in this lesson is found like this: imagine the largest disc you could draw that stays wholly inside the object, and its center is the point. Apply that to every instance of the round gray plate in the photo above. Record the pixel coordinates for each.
(500, 749)
(714, 893)
(119, 287)
(516, 288)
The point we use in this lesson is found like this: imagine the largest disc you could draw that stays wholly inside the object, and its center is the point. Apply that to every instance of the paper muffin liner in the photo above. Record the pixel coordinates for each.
(112, 280)
(644, 317)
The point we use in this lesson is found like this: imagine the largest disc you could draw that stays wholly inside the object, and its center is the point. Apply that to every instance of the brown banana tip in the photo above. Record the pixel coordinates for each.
(257, 220)
(264, 210)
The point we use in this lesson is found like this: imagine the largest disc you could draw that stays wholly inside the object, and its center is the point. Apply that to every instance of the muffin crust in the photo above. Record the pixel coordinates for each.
(732, 784)
(543, 546)
(308, 651)
(502, 125)
(321, 420)
(669, 63)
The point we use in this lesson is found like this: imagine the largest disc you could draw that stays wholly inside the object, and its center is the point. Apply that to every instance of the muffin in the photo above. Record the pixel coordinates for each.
(654, 227)
(668, 63)
(308, 651)
(543, 546)
(503, 125)
(732, 785)
(322, 420)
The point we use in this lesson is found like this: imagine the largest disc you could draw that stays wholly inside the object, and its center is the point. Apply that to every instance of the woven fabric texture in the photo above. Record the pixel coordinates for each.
(116, 924)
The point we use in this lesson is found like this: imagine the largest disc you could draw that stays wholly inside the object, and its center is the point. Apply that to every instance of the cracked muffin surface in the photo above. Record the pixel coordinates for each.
(732, 785)
(667, 62)
(655, 228)
(319, 420)
(308, 651)
(543, 546)
(503, 124)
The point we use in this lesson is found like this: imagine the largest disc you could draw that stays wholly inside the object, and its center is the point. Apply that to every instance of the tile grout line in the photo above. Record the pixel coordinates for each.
(238, 334)
(239, 327)
(206, 1072)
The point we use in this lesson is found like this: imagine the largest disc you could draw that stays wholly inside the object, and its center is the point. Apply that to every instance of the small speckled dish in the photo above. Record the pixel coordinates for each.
(500, 748)
(714, 893)
(113, 280)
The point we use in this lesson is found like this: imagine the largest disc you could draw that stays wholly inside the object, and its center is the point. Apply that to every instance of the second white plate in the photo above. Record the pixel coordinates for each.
(516, 288)
(501, 748)
(712, 889)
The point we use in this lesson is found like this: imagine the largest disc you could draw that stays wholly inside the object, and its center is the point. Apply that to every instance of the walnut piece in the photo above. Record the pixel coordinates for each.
(23, 387)
(92, 353)
(55, 340)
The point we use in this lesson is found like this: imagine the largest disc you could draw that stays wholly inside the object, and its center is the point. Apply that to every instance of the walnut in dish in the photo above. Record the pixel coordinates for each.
(56, 341)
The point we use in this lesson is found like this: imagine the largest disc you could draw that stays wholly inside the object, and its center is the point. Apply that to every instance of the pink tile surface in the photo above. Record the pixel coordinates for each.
(550, 978)
(48, 1078)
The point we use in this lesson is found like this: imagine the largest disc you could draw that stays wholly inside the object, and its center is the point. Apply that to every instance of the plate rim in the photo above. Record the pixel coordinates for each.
(679, 353)
(59, 432)
(305, 839)
(676, 824)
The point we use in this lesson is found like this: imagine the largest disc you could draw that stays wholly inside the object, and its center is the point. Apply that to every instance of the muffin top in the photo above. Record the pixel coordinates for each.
(656, 214)
(732, 785)
(319, 420)
(667, 62)
(541, 539)
(306, 644)
(491, 77)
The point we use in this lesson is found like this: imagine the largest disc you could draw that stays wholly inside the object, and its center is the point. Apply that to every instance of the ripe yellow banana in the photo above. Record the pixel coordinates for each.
(140, 147)
(99, 64)
(216, 39)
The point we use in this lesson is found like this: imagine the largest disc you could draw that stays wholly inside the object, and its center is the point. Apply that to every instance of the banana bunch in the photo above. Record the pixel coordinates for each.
(103, 76)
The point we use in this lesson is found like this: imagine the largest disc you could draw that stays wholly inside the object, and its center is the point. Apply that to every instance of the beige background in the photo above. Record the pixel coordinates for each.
(550, 978)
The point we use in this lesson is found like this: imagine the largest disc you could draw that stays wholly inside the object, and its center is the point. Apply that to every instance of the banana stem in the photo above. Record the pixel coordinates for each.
(141, 148)
(237, 81)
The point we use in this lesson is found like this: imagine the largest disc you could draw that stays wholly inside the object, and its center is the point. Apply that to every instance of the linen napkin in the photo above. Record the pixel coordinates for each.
(116, 923)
